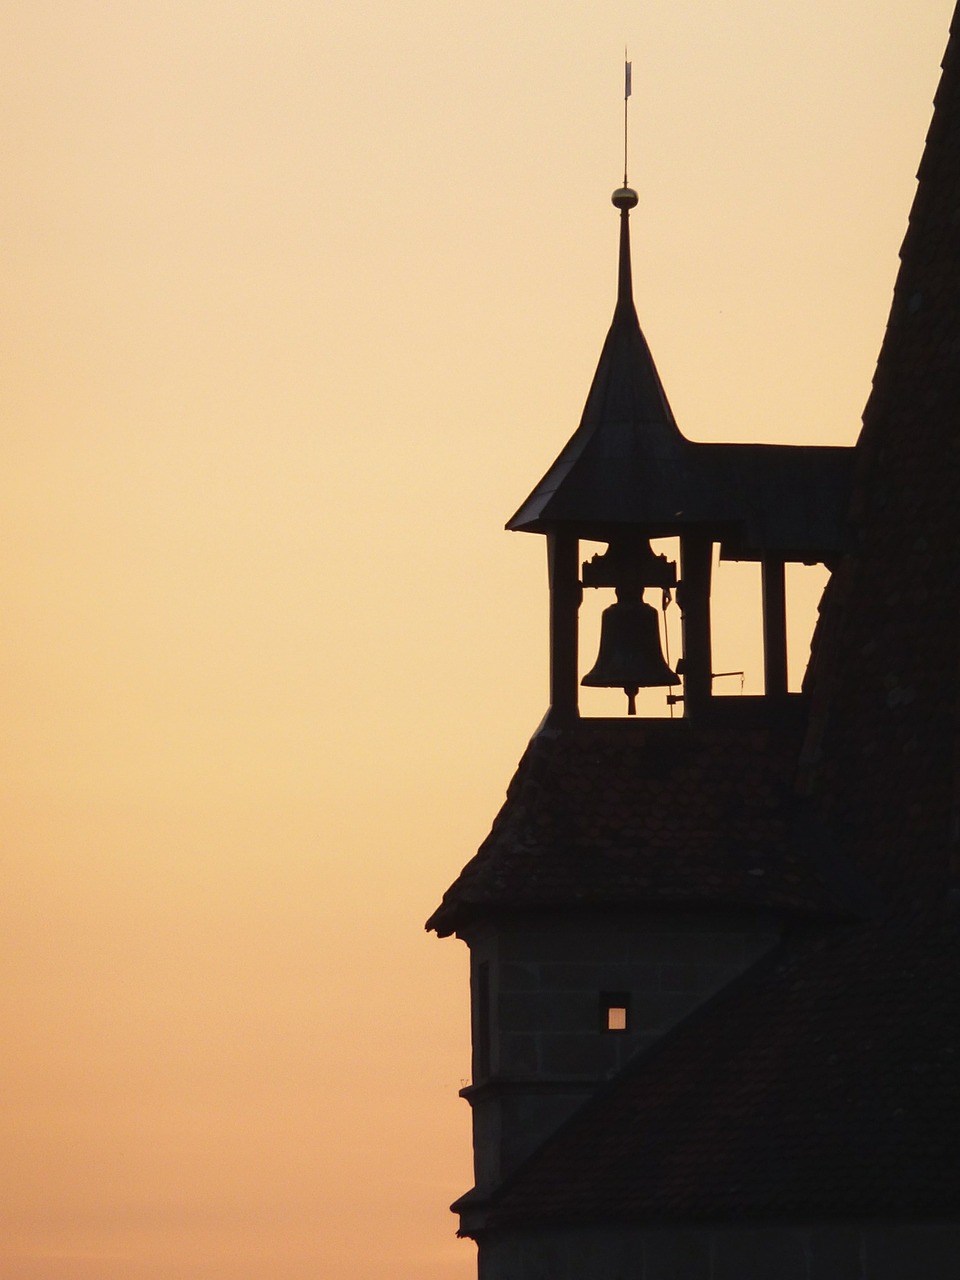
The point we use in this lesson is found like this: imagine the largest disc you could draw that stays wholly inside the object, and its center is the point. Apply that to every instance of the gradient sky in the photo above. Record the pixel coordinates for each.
(300, 301)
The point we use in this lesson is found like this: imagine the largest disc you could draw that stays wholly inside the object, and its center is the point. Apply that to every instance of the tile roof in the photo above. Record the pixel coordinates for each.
(882, 756)
(631, 813)
(828, 1082)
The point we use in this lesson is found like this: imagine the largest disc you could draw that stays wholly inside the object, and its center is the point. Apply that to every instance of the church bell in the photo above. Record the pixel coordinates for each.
(630, 657)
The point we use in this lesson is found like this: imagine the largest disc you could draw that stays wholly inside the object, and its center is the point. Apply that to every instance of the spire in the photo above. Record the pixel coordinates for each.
(625, 199)
(612, 468)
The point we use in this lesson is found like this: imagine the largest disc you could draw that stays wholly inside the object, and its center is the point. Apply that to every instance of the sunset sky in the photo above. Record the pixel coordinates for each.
(300, 300)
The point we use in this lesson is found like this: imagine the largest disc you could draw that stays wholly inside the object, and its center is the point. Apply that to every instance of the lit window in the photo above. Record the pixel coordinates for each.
(617, 1018)
(614, 1010)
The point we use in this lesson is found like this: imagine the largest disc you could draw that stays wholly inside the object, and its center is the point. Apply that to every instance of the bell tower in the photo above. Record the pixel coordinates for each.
(609, 900)
(627, 476)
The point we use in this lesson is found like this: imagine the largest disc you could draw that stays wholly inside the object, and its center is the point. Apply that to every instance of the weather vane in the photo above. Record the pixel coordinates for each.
(627, 89)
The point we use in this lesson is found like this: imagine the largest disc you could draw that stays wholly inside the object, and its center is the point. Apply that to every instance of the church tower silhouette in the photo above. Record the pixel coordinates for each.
(715, 957)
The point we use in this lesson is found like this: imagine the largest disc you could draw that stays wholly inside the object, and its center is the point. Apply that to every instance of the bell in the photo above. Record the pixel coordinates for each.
(630, 657)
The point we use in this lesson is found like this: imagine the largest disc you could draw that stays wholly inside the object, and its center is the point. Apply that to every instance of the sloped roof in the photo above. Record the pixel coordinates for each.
(882, 756)
(626, 813)
(628, 463)
(827, 1083)
(628, 451)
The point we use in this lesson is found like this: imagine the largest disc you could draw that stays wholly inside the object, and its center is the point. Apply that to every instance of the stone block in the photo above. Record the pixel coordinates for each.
(518, 1011)
(761, 1254)
(598, 976)
(548, 1011)
(914, 1252)
(592, 1056)
(658, 948)
(519, 977)
(676, 1255)
(518, 1055)
(535, 945)
(730, 947)
(834, 1253)
(718, 948)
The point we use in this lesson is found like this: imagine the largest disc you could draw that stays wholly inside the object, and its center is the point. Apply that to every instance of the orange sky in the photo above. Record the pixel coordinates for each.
(300, 301)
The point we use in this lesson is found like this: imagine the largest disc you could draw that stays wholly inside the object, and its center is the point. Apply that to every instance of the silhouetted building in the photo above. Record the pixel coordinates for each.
(715, 960)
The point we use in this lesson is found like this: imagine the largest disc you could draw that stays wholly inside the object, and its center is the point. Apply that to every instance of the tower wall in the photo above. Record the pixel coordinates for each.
(541, 989)
(835, 1250)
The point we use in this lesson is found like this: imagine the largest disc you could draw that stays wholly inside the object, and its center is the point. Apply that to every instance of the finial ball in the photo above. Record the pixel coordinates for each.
(624, 198)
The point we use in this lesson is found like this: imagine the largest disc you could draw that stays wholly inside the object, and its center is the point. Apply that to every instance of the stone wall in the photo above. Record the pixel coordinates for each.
(538, 987)
(857, 1251)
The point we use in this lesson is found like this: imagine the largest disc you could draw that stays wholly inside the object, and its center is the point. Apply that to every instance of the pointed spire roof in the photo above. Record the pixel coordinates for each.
(628, 463)
(824, 1083)
(623, 463)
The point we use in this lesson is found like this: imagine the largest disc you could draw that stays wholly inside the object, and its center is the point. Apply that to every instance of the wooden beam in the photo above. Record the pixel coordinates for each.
(696, 565)
(563, 569)
(774, 627)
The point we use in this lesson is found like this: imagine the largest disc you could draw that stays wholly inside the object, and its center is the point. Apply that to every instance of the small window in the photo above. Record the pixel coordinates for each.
(614, 1011)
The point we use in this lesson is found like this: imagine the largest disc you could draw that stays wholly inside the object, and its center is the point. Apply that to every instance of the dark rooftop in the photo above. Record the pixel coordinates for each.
(632, 813)
(883, 756)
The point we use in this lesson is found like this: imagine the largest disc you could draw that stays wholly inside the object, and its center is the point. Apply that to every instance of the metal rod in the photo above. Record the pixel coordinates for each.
(627, 90)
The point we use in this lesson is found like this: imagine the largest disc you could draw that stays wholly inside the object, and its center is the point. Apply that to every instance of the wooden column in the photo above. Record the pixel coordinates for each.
(563, 568)
(696, 565)
(774, 627)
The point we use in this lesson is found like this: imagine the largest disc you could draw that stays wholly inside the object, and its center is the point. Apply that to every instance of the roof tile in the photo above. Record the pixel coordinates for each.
(632, 813)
